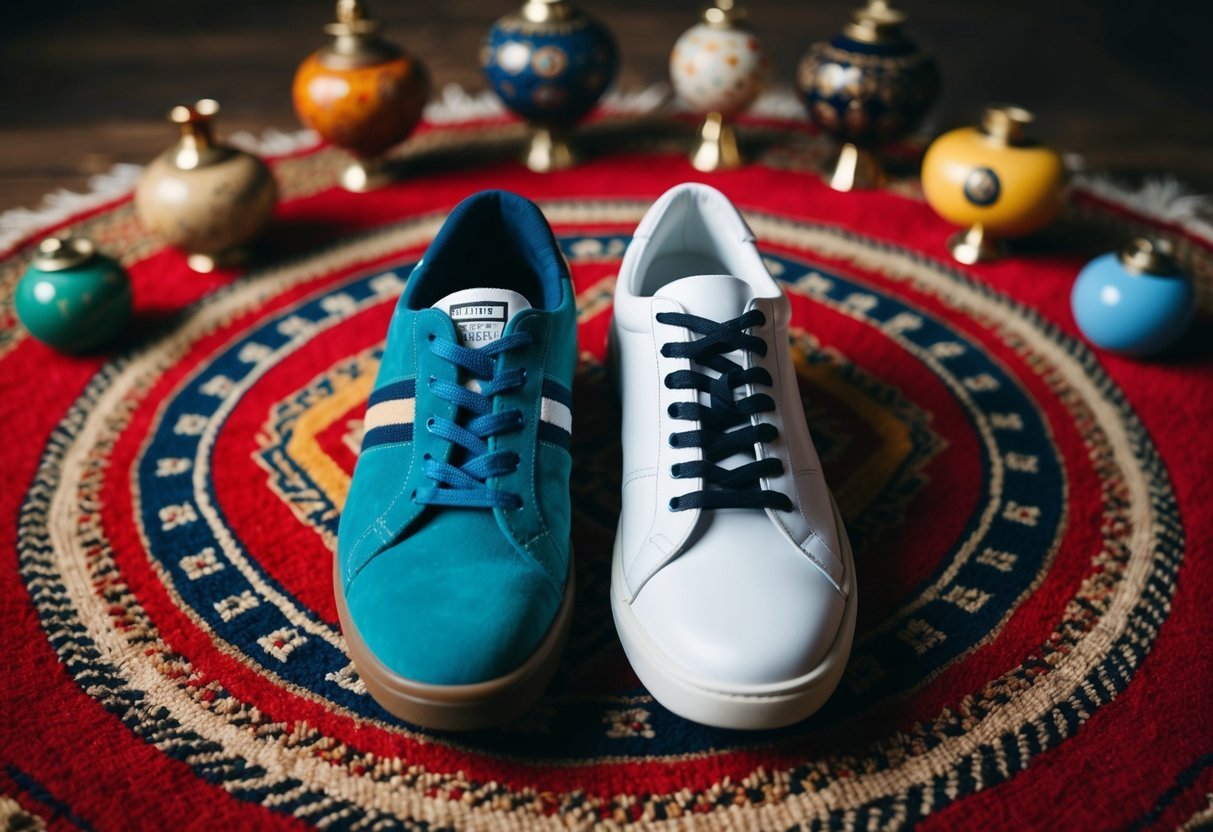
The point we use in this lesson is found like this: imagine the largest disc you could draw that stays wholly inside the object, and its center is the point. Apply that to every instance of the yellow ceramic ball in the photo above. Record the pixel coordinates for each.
(992, 175)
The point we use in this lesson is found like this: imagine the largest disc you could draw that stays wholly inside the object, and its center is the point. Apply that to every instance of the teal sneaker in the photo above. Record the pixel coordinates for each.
(453, 576)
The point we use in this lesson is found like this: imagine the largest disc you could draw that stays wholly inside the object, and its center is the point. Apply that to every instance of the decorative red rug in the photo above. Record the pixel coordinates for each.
(1033, 524)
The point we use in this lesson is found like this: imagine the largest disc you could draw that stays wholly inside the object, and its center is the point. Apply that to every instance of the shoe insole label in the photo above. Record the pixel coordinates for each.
(479, 322)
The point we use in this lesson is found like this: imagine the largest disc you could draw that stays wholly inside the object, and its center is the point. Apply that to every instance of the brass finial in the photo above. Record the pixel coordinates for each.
(197, 144)
(1149, 255)
(356, 42)
(63, 252)
(877, 22)
(716, 146)
(543, 11)
(1006, 123)
(724, 14)
(352, 19)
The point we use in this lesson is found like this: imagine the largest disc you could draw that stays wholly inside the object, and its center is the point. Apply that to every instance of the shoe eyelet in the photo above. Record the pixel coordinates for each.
(430, 336)
(413, 496)
(675, 470)
(433, 378)
(673, 504)
(673, 440)
(429, 424)
(426, 457)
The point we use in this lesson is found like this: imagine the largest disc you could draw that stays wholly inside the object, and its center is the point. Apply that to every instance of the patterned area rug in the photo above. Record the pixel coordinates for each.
(1032, 520)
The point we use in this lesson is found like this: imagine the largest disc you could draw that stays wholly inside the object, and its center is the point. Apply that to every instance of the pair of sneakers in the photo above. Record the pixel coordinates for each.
(732, 580)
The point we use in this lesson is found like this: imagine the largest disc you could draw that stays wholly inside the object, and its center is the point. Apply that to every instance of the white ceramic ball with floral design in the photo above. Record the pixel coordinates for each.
(718, 70)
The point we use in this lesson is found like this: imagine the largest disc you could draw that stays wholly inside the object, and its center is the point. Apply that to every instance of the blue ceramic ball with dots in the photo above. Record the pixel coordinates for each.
(1137, 302)
(549, 62)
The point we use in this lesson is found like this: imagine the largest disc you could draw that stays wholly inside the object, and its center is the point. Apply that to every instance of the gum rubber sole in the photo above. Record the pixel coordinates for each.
(459, 707)
(722, 706)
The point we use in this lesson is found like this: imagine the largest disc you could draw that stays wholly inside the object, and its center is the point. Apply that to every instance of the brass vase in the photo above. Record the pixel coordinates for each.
(866, 87)
(206, 198)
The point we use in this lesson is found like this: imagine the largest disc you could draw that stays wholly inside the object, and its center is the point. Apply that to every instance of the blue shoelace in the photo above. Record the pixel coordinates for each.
(465, 485)
(720, 435)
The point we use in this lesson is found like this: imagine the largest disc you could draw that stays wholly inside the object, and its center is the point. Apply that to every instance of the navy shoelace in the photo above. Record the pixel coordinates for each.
(465, 485)
(721, 433)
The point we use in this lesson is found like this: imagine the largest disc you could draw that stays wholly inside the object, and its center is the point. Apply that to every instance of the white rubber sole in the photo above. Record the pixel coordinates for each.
(753, 707)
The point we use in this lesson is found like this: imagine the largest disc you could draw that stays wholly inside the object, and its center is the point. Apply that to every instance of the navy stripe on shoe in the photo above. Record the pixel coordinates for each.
(389, 414)
(555, 435)
(406, 389)
(557, 392)
(387, 434)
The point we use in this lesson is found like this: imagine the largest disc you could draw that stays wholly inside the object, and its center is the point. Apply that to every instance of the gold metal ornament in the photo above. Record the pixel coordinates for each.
(1150, 256)
(207, 198)
(549, 63)
(994, 181)
(716, 145)
(866, 87)
(361, 93)
(718, 67)
(974, 245)
(549, 149)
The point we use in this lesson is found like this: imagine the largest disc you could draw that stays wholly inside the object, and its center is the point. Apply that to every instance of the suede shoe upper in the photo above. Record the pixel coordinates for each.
(453, 546)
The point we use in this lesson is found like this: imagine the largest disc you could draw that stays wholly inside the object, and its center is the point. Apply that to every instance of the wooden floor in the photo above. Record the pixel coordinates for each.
(84, 85)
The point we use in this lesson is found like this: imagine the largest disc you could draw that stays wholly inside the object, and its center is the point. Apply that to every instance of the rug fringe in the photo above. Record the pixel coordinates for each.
(1163, 199)
(17, 224)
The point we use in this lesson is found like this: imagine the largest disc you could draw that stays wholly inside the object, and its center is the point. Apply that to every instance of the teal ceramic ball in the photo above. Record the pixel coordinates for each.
(1130, 311)
(73, 298)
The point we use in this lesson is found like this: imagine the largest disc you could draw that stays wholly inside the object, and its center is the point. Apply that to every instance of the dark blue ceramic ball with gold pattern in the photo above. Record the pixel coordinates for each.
(549, 62)
(871, 84)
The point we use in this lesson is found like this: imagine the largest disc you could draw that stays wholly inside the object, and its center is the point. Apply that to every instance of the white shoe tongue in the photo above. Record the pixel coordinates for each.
(480, 315)
(718, 297)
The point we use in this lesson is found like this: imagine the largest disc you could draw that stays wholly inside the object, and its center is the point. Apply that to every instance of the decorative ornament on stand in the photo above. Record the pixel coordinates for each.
(993, 179)
(549, 62)
(206, 198)
(1137, 302)
(72, 297)
(361, 93)
(866, 87)
(718, 68)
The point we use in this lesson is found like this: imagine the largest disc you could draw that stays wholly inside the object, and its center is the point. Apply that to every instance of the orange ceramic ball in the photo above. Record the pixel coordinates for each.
(970, 177)
(365, 109)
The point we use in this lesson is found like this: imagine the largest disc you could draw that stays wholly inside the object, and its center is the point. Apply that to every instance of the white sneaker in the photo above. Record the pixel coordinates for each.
(732, 584)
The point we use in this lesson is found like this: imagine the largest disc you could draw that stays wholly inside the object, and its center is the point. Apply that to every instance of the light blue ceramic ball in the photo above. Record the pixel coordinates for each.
(1128, 310)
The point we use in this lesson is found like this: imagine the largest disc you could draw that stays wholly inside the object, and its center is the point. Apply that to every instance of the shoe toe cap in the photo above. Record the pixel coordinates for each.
(758, 616)
(445, 621)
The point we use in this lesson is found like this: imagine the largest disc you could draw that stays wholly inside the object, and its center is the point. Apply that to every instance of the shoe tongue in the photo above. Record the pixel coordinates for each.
(718, 297)
(480, 315)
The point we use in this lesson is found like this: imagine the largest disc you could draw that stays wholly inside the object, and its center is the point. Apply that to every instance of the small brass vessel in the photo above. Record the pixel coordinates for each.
(549, 63)
(718, 67)
(994, 180)
(72, 297)
(206, 198)
(867, 86)
(361, 93)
